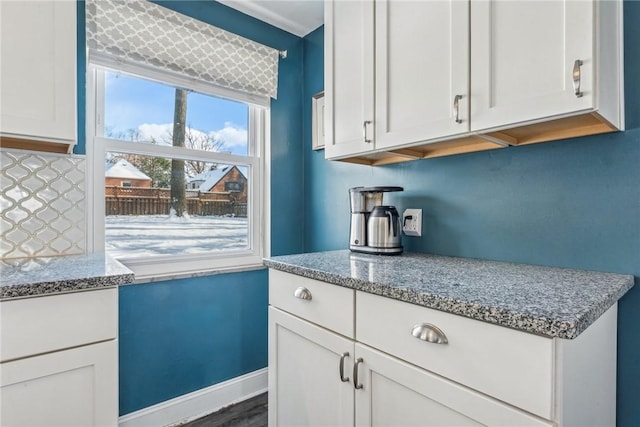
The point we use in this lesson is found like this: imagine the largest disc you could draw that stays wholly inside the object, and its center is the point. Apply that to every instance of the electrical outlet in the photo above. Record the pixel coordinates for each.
(412, 222)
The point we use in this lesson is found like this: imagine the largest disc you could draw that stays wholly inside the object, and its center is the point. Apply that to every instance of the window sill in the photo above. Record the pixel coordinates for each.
(147, 271)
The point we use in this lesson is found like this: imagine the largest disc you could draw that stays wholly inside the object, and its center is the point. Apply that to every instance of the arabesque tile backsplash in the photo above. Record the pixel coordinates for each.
(42, 203)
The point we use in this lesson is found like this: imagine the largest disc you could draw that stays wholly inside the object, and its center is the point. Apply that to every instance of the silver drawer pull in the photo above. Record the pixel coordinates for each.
(341, 368)
(302, 293)
(429, 333)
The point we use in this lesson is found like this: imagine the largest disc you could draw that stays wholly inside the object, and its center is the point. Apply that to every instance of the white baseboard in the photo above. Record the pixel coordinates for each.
(199, 403)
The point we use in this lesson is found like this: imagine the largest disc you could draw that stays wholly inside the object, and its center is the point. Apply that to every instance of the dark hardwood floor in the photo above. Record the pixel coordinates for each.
(250, 413)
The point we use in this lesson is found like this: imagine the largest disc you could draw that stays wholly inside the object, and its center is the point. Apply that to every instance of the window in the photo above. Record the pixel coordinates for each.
(189, 164)
(235, 187)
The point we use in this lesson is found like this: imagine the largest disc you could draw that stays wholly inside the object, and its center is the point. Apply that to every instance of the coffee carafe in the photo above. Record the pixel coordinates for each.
(375, 228)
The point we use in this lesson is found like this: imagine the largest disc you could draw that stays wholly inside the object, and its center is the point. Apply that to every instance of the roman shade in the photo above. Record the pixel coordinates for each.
(144, 34)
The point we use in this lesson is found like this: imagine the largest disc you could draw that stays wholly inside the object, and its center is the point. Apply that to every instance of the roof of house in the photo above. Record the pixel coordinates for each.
(124, 169)
(212, 177)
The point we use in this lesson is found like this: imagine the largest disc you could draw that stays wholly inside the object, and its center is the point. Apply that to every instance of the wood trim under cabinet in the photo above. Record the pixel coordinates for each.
(553, 130)
(62, 147)
(567, 127)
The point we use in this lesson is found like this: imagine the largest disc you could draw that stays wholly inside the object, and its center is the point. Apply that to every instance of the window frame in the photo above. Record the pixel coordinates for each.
(257, 158)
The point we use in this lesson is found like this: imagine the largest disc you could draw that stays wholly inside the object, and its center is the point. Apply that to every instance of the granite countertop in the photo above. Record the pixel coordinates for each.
(31, 277)
(548, 301)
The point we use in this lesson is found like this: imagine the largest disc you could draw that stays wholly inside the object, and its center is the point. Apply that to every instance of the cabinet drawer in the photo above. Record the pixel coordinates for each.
(330, 306)
(44, 324)
(512, 366)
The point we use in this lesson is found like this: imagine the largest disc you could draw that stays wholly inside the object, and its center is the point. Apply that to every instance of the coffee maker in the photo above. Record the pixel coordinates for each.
(375, 228)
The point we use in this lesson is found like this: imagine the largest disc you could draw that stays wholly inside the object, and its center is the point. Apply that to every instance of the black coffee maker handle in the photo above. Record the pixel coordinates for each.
(391, 221)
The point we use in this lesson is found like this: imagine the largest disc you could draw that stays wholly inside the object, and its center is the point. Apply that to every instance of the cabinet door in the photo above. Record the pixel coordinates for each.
(395, 393)
(305, 388)
(422, 64)
(523, 55)
(38, 70)
(77, 387)
(348, 77)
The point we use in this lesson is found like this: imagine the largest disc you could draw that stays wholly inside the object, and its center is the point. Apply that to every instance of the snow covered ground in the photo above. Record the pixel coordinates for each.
(133, 235)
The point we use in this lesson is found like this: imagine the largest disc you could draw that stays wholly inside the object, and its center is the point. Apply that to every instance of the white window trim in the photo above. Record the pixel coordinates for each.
(165, 267)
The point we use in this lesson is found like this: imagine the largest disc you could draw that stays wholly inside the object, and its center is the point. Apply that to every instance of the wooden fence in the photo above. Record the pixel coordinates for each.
(157, 201)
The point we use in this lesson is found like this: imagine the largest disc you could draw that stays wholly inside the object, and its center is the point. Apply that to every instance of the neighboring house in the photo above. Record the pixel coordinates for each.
(228, 179)
(124, 174)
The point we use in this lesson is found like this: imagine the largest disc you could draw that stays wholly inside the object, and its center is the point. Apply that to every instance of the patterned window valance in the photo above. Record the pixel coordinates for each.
(145, 34)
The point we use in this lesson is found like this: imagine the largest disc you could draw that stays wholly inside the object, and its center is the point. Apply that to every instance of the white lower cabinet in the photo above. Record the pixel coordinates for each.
(338, 357)
(314, 374)
(66, 388)
(304, 378)
(395, 393)
(59, 360)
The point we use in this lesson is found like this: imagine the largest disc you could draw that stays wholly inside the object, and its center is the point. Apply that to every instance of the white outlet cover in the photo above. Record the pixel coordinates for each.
(412, 226)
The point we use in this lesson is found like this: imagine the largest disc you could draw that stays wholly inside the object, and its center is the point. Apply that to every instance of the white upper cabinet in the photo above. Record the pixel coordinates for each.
(525, 57)
(396, 73)
(421, 66)
(38, 74)
(415, 79)
(348, 77)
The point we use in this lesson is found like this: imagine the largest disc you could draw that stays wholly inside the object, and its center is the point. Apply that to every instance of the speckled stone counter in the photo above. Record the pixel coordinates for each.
(31, 277)
(554, 302)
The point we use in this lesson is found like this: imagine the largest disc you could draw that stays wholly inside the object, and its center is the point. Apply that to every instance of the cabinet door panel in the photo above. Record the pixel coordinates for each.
(523, 55)
(395, 393)
(348, 77)
(45, 324)
(422, 63)
(38, 69)
(304, 383)
(76, 387)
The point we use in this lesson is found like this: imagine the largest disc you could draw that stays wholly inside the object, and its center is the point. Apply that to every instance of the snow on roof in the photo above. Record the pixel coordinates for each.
(123, 169)
(212, 177)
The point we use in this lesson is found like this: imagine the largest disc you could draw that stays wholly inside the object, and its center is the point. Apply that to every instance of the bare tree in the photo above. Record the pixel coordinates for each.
(178, 199)
(200, 141)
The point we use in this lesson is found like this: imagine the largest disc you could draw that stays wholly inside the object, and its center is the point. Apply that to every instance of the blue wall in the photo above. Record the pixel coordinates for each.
(572, 203)
(179, 336)
(182, 335)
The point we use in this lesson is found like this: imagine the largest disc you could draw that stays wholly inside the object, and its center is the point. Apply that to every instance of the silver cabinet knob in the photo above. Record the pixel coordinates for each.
(429, 333)
(303, 293)
(576, 77)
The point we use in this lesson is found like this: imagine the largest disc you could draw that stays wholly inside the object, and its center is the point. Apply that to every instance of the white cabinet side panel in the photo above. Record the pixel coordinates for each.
(586, 377)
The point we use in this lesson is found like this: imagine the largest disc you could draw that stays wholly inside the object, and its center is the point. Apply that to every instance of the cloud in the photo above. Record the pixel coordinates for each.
(231, 135)
(159, 132)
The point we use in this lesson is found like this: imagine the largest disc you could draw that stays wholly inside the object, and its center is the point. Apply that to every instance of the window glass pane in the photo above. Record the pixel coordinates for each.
(145, 111)
(159, 206)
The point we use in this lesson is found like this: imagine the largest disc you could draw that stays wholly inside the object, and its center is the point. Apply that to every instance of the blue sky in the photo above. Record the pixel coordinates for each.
(132, 103)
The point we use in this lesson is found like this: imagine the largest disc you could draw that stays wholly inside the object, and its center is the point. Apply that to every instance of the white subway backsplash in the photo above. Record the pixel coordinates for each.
(42, 203)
